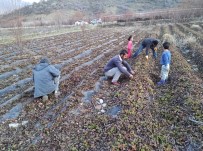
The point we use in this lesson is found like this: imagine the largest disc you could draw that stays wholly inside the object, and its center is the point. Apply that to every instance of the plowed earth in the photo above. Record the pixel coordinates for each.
(138, 115)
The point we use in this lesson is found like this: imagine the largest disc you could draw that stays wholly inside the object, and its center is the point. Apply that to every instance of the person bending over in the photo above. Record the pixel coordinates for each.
(148, 43)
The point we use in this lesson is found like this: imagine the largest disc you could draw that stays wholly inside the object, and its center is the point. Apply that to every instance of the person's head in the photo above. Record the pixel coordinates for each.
(155, 43)
(130, 38)
(45, 60)
(124, 54)
(166, 45)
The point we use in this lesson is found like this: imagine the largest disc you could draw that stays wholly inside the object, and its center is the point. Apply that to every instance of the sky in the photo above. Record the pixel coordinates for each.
(9, 5)
(31, 1)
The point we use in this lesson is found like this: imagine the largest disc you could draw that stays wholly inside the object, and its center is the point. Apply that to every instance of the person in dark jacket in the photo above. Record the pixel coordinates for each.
(148, 43)
(46, 79)
(116, 66)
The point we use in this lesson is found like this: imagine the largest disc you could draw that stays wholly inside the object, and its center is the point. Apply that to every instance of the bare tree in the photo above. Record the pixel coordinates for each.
(58, 18)
(17, 29)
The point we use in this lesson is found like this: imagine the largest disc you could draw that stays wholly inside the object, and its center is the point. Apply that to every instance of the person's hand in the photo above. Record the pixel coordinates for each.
(131, 76)
(132, 72)
(155, 49)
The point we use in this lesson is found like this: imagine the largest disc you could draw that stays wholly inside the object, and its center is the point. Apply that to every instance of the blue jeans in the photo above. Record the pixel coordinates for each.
(164, 72)
(140, 49)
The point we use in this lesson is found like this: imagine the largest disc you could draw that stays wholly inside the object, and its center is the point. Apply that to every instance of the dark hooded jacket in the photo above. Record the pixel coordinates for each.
(148, 43)
(43, 76)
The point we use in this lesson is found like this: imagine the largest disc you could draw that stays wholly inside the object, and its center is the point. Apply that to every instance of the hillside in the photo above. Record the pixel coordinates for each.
(47, 10)
(54, 12)
(91, 7)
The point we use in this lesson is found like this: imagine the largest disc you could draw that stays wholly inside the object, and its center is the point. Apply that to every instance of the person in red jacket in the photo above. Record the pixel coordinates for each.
(130, 46)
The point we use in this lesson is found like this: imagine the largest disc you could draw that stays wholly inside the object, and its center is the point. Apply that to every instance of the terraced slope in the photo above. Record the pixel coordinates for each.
(138, 114)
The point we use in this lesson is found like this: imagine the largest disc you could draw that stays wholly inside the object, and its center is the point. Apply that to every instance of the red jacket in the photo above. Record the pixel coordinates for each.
(130, 47)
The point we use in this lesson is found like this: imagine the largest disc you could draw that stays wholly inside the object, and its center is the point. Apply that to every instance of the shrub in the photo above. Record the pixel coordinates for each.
(187, 42)
(169, 38)
(190, 41)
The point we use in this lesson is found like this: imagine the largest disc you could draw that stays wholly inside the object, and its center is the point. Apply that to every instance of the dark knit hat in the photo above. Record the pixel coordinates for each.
(45, 60)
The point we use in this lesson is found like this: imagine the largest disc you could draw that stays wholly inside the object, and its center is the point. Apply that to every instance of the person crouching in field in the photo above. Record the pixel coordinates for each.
(165, 62)
(130, 46)
(116, 66)
(148, 43)
(46, 79)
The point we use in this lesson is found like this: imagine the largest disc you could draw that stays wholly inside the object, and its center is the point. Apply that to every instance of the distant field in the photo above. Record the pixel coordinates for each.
(7, 34)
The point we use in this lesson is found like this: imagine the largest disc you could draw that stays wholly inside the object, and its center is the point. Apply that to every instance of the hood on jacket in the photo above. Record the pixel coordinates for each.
(41, 66)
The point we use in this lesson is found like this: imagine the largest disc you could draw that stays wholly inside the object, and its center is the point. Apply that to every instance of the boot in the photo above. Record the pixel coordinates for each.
(45, 98)
(162, 82)
(116, 83)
